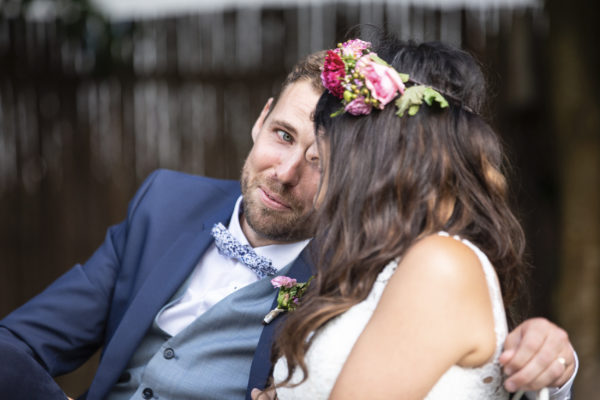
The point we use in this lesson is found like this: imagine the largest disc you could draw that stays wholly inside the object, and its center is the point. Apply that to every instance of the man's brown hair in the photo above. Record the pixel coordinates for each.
(309, 68)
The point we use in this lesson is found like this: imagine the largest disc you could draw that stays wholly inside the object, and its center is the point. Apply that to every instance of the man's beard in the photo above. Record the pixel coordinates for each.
(292, 226)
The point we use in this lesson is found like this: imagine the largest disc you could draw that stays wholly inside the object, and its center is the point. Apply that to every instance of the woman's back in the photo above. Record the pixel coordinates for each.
(334, 342)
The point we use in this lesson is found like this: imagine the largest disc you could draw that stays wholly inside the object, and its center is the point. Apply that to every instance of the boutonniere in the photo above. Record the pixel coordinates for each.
(288, 298)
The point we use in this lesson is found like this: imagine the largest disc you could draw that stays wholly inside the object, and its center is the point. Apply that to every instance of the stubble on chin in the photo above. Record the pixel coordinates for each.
(292, 226)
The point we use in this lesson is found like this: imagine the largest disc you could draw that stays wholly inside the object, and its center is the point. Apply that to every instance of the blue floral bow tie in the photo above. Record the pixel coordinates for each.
(232, 248)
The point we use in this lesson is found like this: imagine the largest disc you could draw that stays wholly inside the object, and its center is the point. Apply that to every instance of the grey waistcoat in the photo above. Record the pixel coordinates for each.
(210, 359)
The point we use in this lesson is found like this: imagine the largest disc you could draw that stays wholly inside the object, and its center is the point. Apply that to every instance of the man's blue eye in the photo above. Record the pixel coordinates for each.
(285, 136)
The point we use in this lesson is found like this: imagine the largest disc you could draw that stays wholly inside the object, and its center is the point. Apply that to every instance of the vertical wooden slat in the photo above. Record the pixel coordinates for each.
(450, 27)
(371, 13)
(398, 20)
(248, 35)
(10, 211)
(303, 31)
(576, 124)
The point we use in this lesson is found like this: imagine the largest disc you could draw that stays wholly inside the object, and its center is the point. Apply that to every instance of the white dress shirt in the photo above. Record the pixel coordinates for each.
(217, 276)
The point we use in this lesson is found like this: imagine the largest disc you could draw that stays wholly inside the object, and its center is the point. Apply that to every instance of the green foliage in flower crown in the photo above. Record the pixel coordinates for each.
(414, 96)
(379, 60)
(338, 112)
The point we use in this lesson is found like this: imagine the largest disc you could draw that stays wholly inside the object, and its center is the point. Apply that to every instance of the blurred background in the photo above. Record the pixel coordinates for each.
(96, 94)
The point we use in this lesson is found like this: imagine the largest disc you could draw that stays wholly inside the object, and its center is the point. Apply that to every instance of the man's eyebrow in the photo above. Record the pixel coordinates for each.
(285, 125)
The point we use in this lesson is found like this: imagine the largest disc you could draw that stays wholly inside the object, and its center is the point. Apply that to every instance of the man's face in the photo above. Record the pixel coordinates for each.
(281, 174)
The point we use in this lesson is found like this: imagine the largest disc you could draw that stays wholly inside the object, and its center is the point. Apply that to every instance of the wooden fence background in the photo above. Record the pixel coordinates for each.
(89, 107)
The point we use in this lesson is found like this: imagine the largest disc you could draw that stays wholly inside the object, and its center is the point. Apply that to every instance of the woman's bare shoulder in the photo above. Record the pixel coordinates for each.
(444, 278)
(445, 258)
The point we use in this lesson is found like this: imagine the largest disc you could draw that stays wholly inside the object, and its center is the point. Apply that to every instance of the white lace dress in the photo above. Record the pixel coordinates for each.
(334, 341)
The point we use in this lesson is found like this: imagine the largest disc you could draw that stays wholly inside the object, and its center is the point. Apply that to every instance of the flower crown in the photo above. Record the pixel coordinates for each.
(362, 80)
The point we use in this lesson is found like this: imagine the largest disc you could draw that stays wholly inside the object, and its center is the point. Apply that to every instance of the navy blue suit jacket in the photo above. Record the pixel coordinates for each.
(112, 299)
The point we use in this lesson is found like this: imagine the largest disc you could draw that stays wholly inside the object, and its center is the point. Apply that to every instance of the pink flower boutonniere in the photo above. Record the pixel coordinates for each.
(288, 298)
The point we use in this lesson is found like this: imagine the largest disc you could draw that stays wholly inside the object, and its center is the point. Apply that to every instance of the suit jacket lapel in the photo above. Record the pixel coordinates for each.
(168, 274)
(260, 371)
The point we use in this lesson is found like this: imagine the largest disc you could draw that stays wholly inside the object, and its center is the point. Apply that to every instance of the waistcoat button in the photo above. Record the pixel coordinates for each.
(147, 393)
(168, 353)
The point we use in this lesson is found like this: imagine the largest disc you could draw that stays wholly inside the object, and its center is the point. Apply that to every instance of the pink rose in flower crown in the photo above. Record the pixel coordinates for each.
(358, 107)
(333, 73)
(355, 47)
(283, 281)
(383, 81)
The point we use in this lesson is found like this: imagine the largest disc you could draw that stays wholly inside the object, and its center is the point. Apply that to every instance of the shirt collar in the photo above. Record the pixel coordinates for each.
(279, 254)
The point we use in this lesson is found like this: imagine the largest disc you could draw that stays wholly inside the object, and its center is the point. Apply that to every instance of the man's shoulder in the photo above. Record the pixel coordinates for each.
(169, 190)
(166, 177)
(168, 183)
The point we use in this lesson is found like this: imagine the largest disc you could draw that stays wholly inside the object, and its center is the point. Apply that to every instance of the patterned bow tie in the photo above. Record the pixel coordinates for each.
(232, 248)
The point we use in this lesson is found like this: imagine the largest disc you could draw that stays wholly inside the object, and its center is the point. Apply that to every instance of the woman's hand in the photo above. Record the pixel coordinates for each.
(268, 394)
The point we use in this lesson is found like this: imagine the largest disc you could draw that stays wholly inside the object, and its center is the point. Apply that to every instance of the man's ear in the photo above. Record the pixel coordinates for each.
(261, 119)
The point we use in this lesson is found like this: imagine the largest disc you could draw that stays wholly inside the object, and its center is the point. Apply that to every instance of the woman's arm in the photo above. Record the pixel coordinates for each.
(434, 312)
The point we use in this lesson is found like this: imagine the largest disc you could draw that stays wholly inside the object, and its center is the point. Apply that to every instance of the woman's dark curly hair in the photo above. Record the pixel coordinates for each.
(391, 181)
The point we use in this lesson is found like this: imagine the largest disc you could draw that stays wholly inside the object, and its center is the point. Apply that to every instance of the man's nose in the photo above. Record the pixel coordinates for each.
(289, 169)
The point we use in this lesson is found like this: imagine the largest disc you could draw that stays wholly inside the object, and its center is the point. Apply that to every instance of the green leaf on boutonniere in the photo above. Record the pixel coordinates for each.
(288, 297)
